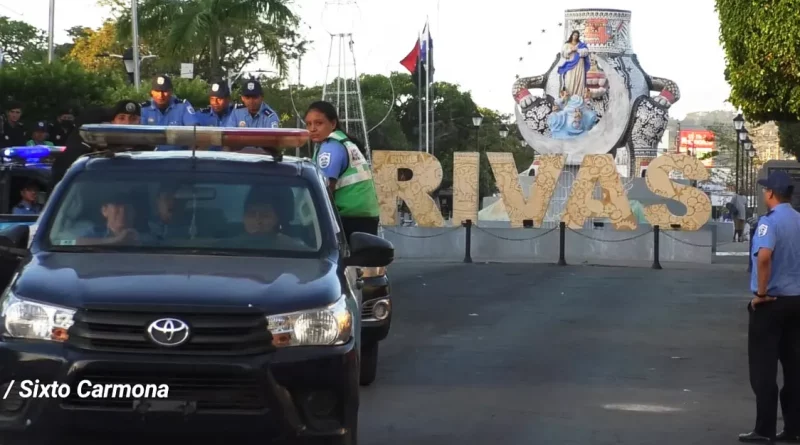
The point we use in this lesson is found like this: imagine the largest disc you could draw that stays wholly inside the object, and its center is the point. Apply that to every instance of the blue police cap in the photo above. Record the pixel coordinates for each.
(779, 182)
(40, 126)
(162, 83)
(252, 88)
(220, 89)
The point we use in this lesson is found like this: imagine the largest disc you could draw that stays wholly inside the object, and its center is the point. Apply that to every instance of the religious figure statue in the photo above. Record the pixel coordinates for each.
(575, 64)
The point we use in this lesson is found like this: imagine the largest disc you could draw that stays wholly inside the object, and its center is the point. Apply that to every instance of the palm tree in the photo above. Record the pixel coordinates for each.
(222, 33)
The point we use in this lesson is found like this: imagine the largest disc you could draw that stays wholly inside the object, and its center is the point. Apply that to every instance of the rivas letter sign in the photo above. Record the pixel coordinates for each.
(614, 205)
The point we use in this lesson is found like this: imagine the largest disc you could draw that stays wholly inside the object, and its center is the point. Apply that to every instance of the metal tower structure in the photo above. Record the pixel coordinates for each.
(342, 88)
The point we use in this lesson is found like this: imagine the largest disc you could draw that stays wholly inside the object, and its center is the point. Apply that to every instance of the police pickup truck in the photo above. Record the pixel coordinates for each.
(191, 296)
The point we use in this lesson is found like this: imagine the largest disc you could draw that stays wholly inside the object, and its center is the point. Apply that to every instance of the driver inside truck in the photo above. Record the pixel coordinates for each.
(118, 215)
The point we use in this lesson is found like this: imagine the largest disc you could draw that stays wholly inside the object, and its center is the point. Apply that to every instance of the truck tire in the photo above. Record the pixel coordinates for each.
(369, 363)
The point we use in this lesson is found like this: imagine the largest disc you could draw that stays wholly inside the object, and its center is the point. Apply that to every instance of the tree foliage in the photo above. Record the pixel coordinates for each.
(89, 45)
(762, 57)
(789, 137)
(20, 41)
(218, 36)
(44, 89)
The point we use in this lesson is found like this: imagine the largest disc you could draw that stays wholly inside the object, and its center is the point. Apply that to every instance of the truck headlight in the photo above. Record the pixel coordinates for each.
(33, 320)
(331, 325)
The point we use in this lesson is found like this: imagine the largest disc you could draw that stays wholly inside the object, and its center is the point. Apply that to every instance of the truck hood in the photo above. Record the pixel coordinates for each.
(276, 285)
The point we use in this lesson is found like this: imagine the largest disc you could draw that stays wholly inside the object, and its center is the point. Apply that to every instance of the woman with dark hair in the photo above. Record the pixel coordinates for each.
(349, 174)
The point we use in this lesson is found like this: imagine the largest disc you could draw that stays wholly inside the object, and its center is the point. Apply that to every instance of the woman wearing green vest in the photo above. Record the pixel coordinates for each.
(341, 159)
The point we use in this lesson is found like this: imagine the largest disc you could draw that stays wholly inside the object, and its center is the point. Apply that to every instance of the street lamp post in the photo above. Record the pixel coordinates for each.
(129, 60)
(137, 80)
(477, 120)
(752, 173)
(738, 125)
(503, 131)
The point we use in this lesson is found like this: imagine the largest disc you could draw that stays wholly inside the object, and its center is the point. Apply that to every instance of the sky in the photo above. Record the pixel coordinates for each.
(477, 48)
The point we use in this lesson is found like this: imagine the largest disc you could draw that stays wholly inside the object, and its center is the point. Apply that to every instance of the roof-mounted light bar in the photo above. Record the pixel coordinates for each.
(105, 135)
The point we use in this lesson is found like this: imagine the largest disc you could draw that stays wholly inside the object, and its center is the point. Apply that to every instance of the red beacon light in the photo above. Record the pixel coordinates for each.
(200, 138)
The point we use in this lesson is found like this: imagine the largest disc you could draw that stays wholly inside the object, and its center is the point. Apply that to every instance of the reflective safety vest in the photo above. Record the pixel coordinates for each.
(355, 194)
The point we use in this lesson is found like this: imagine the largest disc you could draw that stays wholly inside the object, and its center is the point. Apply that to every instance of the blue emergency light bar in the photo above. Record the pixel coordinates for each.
(31, 153)
(200, 137)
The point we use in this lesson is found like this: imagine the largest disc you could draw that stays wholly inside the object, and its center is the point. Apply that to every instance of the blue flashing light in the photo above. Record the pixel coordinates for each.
(34, 152)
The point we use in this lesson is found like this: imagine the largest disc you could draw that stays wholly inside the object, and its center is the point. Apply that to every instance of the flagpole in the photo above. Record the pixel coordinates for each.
(427, 85)
(419, 92)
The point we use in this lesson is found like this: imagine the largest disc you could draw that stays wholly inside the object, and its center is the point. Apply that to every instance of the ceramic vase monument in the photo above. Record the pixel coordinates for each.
(595, 98)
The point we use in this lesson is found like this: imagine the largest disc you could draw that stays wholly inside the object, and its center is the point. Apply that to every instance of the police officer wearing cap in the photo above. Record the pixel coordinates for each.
(221, 107)
(39, 134)
(12, 132)
(774, 311)
(62, 127)
(255, 113)
(166, 109)
(126, 112)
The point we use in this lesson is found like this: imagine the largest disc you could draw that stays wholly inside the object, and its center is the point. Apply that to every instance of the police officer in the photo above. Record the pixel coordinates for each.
(166, 109)
(126, 112)
(27, 204)
(349, 175)
(255, 113)
(75, 145)
(39, 134)
(219, 97)
(13, 134)
(62, 127)
(774, 327)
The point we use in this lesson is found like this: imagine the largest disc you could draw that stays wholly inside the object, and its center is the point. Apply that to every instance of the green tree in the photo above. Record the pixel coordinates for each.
(762, 57)
(789, 137)
(218, 36)
(45, 88)
(20, 41)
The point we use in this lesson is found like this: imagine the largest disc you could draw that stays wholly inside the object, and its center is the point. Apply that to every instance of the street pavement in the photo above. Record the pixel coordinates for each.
(541, 354)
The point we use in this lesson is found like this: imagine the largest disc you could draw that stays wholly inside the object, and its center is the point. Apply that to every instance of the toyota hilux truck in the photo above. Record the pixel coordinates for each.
(186, 296)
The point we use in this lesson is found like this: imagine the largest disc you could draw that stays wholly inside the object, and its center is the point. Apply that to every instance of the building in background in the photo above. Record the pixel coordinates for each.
(699, 143)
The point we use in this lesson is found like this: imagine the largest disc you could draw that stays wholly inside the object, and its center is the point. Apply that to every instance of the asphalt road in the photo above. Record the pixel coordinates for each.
(541, 354)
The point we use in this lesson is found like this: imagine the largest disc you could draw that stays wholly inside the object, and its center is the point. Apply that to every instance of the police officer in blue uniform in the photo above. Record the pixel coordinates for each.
(774, 327)
(28, 205)
(255, 113)
(221, 106)
(166, 109)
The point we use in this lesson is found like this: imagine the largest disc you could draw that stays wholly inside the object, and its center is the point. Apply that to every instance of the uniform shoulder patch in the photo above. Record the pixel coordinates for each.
(190, 109)
(763, 229)
(324, 160)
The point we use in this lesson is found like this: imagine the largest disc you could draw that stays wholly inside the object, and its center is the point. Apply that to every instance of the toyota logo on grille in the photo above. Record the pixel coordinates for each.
(168, 332)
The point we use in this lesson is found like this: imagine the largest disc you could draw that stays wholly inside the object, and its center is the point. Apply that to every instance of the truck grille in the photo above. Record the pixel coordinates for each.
(208, 392)
(211, 333)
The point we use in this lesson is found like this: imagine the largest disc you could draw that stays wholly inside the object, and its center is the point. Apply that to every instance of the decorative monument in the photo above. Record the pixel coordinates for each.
(595, 99)
(597, 81)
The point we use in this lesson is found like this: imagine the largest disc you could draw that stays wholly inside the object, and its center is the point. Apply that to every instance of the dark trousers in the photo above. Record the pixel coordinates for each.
(774, 335)
(360, 224)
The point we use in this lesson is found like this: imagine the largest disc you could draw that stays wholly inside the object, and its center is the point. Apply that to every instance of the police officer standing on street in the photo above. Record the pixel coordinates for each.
(774, 327)
(62, 127)
(166, 109)
(13, 129)
(255, 113)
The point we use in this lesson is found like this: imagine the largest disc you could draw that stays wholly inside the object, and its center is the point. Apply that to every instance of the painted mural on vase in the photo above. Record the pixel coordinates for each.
(595, 97)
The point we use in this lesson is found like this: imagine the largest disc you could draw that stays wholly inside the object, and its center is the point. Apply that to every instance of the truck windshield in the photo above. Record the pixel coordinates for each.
(183, 212)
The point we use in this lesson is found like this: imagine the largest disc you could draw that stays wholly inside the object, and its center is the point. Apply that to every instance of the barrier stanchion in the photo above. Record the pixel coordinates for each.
(656, 247)
(468, 241)
(562, 240)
